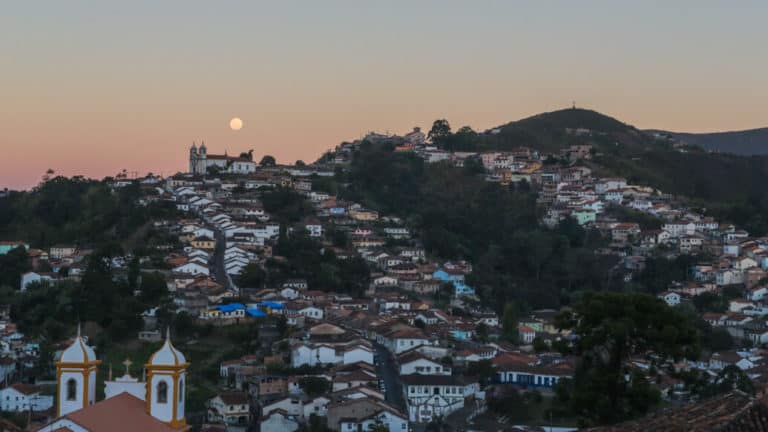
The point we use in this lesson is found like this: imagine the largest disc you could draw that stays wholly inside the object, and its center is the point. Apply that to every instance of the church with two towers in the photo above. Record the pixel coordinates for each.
(153, 404)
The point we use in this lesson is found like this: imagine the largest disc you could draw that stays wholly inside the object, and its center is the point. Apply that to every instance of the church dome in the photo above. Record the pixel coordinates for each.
(167, 355)
(78, 352)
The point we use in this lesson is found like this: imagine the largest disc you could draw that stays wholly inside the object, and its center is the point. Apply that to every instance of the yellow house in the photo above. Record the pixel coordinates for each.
(205, 243)
(364, 215)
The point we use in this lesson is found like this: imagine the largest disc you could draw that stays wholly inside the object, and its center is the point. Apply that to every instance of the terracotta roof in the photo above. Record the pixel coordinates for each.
(122, 413)
(731, 412)
(26, 389)
(234, 398)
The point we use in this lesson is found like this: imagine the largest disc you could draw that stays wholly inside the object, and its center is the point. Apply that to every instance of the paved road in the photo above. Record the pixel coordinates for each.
(388, 373)
(219, 272)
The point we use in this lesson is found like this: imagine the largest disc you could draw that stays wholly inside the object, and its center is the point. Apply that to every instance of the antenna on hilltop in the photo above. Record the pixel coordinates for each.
(574, 104)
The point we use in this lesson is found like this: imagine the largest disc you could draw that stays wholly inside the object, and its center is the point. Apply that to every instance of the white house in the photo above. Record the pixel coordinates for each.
(429, 396)
(312, 312)
(192, 268)
(278, 421)
(671, 298)
(413, 362)
(309, 353)
(392, 420)
(32, 277)
(22, 397)
(230, 408)
(403, 340)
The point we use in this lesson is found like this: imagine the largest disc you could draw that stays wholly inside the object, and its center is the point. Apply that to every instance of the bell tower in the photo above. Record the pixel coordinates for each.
(76, 377)
(193, 159)
(166, 381)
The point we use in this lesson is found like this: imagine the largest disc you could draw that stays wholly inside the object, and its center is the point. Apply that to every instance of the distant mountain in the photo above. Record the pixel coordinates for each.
(745, 143)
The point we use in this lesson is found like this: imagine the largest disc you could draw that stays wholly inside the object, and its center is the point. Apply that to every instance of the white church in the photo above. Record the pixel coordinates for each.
(154, 404)
(200, 162)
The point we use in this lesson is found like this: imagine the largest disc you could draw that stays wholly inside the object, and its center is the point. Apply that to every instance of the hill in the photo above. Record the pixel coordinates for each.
(555, 130)
(643, 157)
(746, 143)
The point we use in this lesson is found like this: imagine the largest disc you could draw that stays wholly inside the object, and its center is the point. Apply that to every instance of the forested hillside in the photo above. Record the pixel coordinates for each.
(459, 215)
(75, 210)
(729, 186)
(746, 142)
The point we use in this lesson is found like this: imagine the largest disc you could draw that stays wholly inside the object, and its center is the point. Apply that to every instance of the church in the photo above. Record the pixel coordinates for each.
(154, 404)
(200, 162)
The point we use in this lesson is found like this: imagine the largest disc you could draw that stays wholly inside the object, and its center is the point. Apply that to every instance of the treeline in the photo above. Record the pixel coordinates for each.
(74, 210)
(461, 216)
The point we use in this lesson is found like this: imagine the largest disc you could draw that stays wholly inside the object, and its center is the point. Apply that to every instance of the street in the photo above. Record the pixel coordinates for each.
(220, 273)
(388, 374)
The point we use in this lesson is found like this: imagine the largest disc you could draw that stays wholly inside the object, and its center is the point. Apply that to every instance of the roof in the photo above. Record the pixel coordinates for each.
(167, 355)
(436, 380)
(733, 411)
(326, 329)
(78, 352)
(26, 389)
(122, 413)
(234, 398)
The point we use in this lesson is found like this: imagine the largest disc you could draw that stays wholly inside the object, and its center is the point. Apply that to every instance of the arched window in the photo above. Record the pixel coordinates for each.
(181, 391)
(162, 392)
(71, 389)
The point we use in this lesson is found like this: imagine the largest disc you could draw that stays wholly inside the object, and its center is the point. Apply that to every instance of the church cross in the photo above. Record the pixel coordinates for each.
(127, 363)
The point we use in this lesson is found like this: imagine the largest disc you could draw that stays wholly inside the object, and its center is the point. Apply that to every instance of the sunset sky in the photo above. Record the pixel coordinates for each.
(92, 87)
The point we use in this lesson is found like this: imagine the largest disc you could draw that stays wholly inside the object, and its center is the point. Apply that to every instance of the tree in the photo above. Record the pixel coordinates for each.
(481, 330)
(378, 428)
(300, 163)
(511, 404)
(153, 288)
(268, 161)
(12, 265)
(509, 323)
(314, 386)
(440, 131)
(611, 327)
(482, 369)
(731, 377)
(253, 276)
(473, 165)
(465, 139)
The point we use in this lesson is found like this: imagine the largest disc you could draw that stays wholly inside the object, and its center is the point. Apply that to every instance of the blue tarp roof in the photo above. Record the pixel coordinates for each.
(272, 305)
(230, 307)
(258, 313)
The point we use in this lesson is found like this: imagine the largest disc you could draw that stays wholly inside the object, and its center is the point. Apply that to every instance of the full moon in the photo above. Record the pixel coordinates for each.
(236, 123)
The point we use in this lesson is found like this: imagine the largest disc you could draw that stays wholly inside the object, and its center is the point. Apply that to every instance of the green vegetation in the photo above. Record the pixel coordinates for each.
(746, 142)
(612, 327)
(76, 211)
(286, 205)
(12, 266)
(303, 257)
(314, 386)
(460, 215)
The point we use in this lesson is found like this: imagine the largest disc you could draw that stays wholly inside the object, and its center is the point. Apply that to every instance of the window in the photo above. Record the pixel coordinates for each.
(181, 391)
(71, 389)
(162, 392)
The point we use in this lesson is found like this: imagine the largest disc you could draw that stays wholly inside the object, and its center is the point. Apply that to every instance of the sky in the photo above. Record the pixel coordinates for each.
(94, 87)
